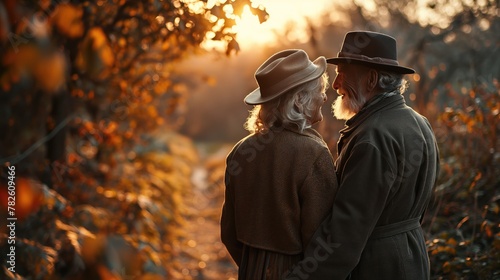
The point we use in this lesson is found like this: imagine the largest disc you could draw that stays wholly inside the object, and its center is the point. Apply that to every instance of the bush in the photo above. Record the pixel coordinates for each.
(123, 224)
(463, 223)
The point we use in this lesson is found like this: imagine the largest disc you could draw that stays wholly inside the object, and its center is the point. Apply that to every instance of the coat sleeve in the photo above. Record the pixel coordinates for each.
(336, 247)
(228, 225)
(317, 194)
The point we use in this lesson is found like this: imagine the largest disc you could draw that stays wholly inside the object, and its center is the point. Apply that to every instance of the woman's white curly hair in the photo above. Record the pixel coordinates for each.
(294, 107)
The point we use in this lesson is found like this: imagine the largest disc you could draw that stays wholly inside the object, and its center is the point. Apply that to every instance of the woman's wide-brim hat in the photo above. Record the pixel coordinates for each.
(283, 71)
(372, 49)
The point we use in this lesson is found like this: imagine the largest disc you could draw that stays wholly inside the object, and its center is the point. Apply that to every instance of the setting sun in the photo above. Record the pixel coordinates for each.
(250, 32)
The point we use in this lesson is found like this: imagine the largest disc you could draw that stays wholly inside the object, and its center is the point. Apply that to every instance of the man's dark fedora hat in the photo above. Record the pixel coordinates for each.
(371, 49)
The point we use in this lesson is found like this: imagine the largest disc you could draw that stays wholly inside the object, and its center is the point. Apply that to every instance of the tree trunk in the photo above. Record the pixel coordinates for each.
(56, 146)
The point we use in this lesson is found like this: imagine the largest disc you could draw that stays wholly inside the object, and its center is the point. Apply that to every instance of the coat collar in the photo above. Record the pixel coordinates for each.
(309, 132)
(375, 105)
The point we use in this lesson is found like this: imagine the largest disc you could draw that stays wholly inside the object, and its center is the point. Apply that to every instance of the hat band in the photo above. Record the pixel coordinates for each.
(369, 59)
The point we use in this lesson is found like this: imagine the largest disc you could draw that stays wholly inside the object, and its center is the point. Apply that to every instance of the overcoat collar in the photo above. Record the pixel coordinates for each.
(375, 105)
(309, 132)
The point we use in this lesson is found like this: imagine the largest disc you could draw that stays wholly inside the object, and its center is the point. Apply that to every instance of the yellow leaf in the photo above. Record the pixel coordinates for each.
(50, 73)
(95, 55)
(68, 20)
(152, 111)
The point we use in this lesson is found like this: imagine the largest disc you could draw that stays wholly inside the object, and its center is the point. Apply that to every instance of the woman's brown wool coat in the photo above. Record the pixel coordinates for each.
(279, 187)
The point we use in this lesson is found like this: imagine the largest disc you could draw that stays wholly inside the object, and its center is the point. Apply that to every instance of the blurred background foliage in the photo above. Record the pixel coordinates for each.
(104, 106)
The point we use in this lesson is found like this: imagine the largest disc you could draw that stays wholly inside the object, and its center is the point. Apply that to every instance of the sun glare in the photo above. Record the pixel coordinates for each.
(250, 31)
(282, 14)
(291, 17)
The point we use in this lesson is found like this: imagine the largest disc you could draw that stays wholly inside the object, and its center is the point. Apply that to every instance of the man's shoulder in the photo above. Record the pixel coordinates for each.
(386, 123)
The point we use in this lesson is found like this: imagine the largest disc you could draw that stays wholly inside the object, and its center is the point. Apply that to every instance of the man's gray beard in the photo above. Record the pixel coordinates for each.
(344, 108)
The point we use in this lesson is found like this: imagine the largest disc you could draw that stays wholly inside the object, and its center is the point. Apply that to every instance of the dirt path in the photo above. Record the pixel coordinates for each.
(202, 255)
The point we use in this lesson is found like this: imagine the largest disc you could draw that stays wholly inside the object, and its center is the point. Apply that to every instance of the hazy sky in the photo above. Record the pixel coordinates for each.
(250, 32)
(280, 11)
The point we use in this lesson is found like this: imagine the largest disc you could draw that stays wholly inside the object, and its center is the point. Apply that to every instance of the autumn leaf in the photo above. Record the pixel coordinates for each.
(95, 55)
(67, 18)
(261, 13)
(50, 72)
(232, 46)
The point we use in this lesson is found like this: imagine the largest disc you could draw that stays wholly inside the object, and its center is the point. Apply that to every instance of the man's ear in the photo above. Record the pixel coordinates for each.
(372, 80)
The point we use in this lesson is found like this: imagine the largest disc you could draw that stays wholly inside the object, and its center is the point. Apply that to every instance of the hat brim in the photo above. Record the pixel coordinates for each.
(255, 97)
(379, 65)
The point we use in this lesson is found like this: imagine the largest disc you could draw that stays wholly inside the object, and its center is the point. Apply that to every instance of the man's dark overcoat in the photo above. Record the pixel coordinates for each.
(387, 167)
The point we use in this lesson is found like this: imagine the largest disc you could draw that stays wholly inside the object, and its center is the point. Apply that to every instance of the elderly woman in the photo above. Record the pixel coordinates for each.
(280, 180)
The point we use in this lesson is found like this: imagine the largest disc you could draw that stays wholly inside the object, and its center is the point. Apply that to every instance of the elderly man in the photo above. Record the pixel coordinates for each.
(387, 167)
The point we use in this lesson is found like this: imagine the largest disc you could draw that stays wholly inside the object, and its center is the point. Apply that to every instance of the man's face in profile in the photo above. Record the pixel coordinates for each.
(349, 84)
